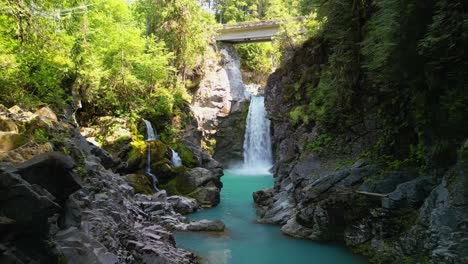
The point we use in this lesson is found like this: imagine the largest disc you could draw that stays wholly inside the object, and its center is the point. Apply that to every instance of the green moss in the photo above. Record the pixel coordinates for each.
(209, 145)
(187, 157)
(170, 187)
(140, 183)
(245, 111)
(137, 152)
(179, 185)
(159, 150)
(40, 135)
(320, 144)
(20, 140)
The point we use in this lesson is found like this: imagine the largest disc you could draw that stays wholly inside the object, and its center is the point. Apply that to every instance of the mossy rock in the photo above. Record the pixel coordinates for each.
(159, 150)
(140, 183)
(136, 156)
(188, 158)
(178, 185)
(162, 169)
(170, 187)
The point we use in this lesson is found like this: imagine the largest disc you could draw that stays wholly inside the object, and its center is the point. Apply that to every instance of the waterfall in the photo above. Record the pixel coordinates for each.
(150, 136)
(257, 142)
(176, 161)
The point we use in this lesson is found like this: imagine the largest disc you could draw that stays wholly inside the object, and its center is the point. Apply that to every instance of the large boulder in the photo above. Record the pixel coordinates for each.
(53, 171)
(182, 204)
(28, 205)
(198, 183)
(205, 225)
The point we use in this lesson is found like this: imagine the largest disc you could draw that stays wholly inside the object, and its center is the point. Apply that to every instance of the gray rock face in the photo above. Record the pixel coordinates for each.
(218, 106)
(28, 206)
(410, 194)
(182, 204)
(389, 215)
(53, 172)
(205, 186)
(445, 213)
(107, 223)
(99, 220)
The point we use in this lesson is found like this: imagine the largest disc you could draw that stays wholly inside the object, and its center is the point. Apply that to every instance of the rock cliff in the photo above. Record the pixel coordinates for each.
(327, 190)
(220, 105)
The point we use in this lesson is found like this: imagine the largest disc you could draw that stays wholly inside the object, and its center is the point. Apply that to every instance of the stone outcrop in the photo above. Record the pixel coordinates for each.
(68, 205)
(219, 105)
(387, 215)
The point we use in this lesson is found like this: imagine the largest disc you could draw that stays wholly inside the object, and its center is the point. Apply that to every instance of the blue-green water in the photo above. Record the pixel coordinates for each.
(248, 242)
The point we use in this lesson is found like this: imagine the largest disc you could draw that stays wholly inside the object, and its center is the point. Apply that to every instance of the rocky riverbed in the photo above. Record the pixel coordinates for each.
(62, 199)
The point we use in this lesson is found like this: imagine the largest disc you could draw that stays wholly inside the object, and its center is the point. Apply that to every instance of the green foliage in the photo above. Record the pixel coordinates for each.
(320, 144)
(120, 58)
(182, 25)
(397, 63)
(256, 58)
(40, 135)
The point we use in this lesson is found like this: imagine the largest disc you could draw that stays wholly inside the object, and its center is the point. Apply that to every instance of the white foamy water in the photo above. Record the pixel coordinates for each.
(176, 161)
(257, 142)
(150, 135)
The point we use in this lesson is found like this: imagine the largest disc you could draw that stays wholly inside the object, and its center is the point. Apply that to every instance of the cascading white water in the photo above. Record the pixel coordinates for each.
(176, 161)
(257, 142)
(150, 136)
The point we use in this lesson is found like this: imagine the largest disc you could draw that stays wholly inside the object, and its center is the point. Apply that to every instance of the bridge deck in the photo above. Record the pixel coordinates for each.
(253, 31)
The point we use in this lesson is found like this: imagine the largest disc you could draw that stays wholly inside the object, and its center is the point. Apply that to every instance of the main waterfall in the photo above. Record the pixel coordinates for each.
(257, 142)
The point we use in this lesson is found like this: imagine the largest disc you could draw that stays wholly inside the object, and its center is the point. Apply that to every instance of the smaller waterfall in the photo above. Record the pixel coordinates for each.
(176, 161)
(257, 142)
(150, 136)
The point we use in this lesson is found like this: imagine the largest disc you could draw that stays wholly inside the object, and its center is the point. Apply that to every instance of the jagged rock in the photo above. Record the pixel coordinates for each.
(77, 247)
(220, 103)
(445, 213)
(29, 206)
(53, 172)
(294, 229)
(206, 185)
(106, 159)
(94, 218)
(230, 136)
(126, 225)
(273, 209)
(409, 194)
(182, 204)
(200, 176)
(387, 182)
(45, 113)
(25, 152)
(205, 225)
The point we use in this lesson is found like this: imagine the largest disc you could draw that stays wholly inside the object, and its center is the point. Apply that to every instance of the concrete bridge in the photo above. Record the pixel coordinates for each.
(249, 32)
